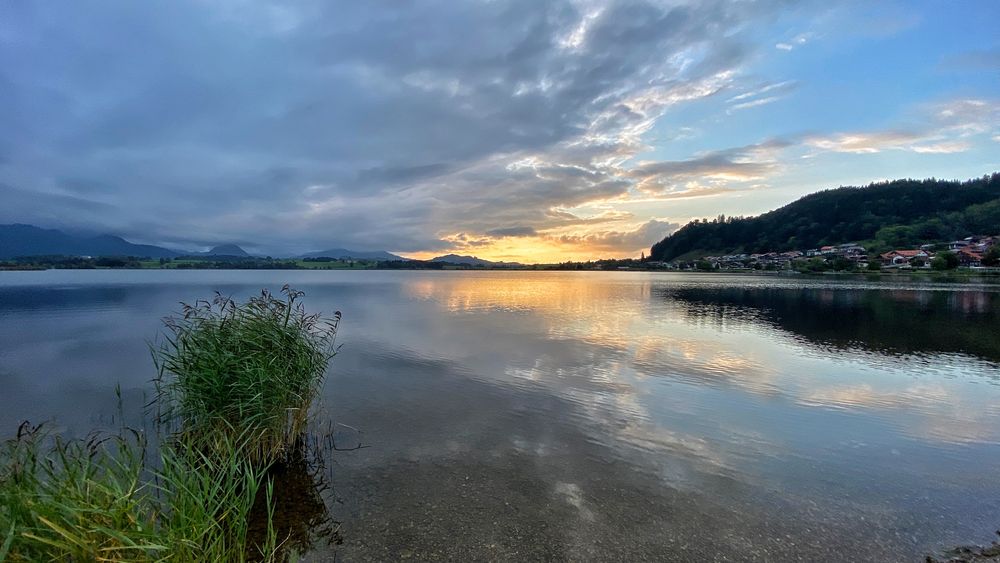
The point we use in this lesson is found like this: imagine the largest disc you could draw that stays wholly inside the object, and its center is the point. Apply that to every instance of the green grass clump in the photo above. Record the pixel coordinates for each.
(253, 368)
(95, 500)
(235, 385)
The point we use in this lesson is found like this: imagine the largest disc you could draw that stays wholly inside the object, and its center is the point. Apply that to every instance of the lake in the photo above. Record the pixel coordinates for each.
(588, 415)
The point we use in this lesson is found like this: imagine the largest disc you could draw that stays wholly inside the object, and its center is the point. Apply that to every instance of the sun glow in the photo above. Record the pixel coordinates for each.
(545, 249)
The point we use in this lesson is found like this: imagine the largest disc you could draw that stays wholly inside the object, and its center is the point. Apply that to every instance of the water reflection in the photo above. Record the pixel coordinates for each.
(557, 415)
(889, 322)
(299, 512)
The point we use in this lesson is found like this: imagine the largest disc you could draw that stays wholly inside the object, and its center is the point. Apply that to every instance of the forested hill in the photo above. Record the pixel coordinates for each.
(892, 214)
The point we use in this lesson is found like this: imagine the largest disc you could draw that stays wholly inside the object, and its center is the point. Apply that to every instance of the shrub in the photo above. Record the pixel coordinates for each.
(992, 256)
(944, 261)
(251, 368)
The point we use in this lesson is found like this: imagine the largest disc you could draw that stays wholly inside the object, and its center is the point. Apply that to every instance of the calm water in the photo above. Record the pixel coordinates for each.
(590, 416)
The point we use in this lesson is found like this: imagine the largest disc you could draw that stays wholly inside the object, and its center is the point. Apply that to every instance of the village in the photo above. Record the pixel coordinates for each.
(974, 252)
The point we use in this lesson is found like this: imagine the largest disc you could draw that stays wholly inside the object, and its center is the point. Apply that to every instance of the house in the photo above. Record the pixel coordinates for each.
(969, 258)
(958, 244)
(983, 244)
(903, 257)
(827, 249)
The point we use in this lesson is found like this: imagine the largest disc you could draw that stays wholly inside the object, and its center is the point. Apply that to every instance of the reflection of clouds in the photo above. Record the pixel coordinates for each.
(705, 359)
(923, 411)
(865, 396)
(592, 383)
(593, 338)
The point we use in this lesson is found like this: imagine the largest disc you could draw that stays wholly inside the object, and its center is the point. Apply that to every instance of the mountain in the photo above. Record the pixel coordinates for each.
(897, 214)
(27, 240)
(355, 254)
(227, 250)
(472, 261)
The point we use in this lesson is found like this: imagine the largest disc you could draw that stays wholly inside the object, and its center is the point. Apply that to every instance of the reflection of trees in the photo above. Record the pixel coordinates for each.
(893, 322)
(33, 299)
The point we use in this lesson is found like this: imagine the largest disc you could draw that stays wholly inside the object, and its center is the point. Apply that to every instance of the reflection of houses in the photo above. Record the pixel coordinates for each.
(903, 257)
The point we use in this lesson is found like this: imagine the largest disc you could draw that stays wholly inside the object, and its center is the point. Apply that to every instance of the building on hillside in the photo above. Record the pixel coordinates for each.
(983, 244)
(903, 257)
(969, 258)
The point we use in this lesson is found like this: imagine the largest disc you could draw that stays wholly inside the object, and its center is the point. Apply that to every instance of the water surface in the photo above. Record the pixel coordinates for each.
(590, 416)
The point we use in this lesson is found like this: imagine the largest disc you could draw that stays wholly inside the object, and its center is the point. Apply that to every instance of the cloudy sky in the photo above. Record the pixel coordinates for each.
(513, 130)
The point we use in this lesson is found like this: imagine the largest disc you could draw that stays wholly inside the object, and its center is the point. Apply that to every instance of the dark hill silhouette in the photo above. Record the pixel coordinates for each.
(28, 240)
(341, 253)
(227, 250)
(900, 213)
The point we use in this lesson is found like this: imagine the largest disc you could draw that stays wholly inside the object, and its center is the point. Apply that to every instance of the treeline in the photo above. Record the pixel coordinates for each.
(240, 264)
(70, 262)
(901, 213)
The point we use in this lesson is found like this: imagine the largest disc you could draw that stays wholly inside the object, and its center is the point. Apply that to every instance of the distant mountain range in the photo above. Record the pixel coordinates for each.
(28, 240)
(473, 261)
(226, 250)
(341, 253)
(883, 216)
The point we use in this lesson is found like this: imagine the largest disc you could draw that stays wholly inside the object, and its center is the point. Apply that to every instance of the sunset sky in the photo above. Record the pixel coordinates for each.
(511, 130)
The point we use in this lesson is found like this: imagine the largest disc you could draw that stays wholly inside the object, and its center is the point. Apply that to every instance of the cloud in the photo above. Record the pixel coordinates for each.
(512, 232)
(762, 95)
(771, 87)
(946, 129)
(621, 241)
(301, 125)
(795, 42)
(298, 126)
(946, 147)
(742, 164)
(866, 143)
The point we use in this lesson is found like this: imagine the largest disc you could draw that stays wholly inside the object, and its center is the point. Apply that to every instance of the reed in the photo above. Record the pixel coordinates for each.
(234, 388)
(94, 499)
(253, 368)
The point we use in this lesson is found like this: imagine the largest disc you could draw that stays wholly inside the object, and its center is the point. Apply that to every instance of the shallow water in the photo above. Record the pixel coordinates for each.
(590, 416)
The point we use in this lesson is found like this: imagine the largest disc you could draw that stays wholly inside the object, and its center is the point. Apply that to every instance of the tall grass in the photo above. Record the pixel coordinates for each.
(95, 500)
(235, 384)
(253, 368)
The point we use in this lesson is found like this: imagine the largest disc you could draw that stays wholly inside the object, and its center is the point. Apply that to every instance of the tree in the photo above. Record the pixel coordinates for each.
(992, 256)
(896, 214)
(840, 264)
(704, 265)
(945, 261)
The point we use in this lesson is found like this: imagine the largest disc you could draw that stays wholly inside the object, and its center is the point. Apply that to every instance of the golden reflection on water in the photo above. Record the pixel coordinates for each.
(637, 334)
